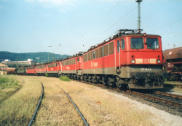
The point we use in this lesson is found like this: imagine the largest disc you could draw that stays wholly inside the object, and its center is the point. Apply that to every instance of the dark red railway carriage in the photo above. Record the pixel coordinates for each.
(173, 64)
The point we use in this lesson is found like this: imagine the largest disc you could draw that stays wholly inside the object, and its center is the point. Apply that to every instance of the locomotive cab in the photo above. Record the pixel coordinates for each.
(141, 62)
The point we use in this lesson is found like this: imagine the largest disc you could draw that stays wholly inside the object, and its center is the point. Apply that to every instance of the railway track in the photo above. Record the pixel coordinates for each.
(37, 107)
(168, 100)
(162, 100)
(178, 86)
(173, 85)
(179, 97)
(77, 109)
(70, 99)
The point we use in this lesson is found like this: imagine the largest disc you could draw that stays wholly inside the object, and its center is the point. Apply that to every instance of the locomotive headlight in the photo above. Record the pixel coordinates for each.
(158, 61)
(132, 61)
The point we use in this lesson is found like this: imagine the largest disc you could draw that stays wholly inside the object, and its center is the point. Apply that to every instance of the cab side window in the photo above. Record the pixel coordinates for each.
(122, 44)
(106, 49)
(93, 55)
(102, 51)
(111, 48)
(118, 45)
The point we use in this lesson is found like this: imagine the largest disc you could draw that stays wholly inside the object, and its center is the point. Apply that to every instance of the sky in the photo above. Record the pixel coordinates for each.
(70, 26)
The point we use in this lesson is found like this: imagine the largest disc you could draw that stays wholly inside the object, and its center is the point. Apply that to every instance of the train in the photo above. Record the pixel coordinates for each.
(128, 59)
(173, 64)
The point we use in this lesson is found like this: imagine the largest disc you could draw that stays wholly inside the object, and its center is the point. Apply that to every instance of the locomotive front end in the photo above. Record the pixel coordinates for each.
(144, 59)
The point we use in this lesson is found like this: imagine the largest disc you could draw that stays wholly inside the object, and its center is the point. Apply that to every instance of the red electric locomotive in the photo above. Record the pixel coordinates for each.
(30, 70)
(72, 67)
(129, 59)
(53, 68)
(40, 69)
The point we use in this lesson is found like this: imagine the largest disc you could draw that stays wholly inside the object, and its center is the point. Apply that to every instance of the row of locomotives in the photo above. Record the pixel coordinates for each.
(45, 69)
(129, 60)
(173, 64)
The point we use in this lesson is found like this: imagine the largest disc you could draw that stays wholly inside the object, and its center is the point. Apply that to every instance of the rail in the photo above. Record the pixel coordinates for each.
(173, 85)
(156, 99)
(37, 107)
(169, 95)
(77, 109)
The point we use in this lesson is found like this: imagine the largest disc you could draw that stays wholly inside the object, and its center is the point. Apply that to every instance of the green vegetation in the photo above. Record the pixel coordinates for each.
(46, 74)
(6, 82)
(64, 78)
(8, 86)
(173, 82)
(40, 57)
(18, 109)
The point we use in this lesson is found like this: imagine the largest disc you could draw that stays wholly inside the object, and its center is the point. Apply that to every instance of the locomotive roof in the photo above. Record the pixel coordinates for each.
(121, 33)
(70, 57)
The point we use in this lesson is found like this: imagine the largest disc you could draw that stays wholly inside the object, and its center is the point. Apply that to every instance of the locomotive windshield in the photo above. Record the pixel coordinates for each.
(137, 43)
(152, 43)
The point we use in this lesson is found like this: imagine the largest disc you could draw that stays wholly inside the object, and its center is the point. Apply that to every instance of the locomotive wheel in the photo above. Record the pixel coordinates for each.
(121, 84)
(111, 81)
(104, 80)
(94, 79)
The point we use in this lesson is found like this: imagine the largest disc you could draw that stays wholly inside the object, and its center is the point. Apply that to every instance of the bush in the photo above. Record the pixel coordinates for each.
(6, 82)
(46, 74)
(64, 78)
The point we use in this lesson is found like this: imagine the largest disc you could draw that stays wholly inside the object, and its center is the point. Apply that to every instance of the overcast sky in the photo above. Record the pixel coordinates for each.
(70, 26)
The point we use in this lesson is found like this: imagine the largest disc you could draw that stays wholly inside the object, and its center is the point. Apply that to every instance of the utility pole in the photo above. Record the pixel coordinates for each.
(139, 15)
(48, 53)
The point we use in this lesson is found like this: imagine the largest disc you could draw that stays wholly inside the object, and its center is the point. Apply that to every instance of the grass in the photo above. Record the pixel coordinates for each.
(64, 78)
(173, 82)
(46, 74)
(8, 86)
(56, 110)
(18, 109)
(172, 86)
(6, 82)
(102, 108)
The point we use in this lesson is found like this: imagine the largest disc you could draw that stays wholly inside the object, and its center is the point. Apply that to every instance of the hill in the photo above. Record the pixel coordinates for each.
(40, 57)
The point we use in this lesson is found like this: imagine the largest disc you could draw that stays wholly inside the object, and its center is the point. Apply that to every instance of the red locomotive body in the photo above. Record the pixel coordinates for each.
(72, 67)
(173, 64)
(41, 69)
(133, 60)
(31, 70)
(53, 68)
